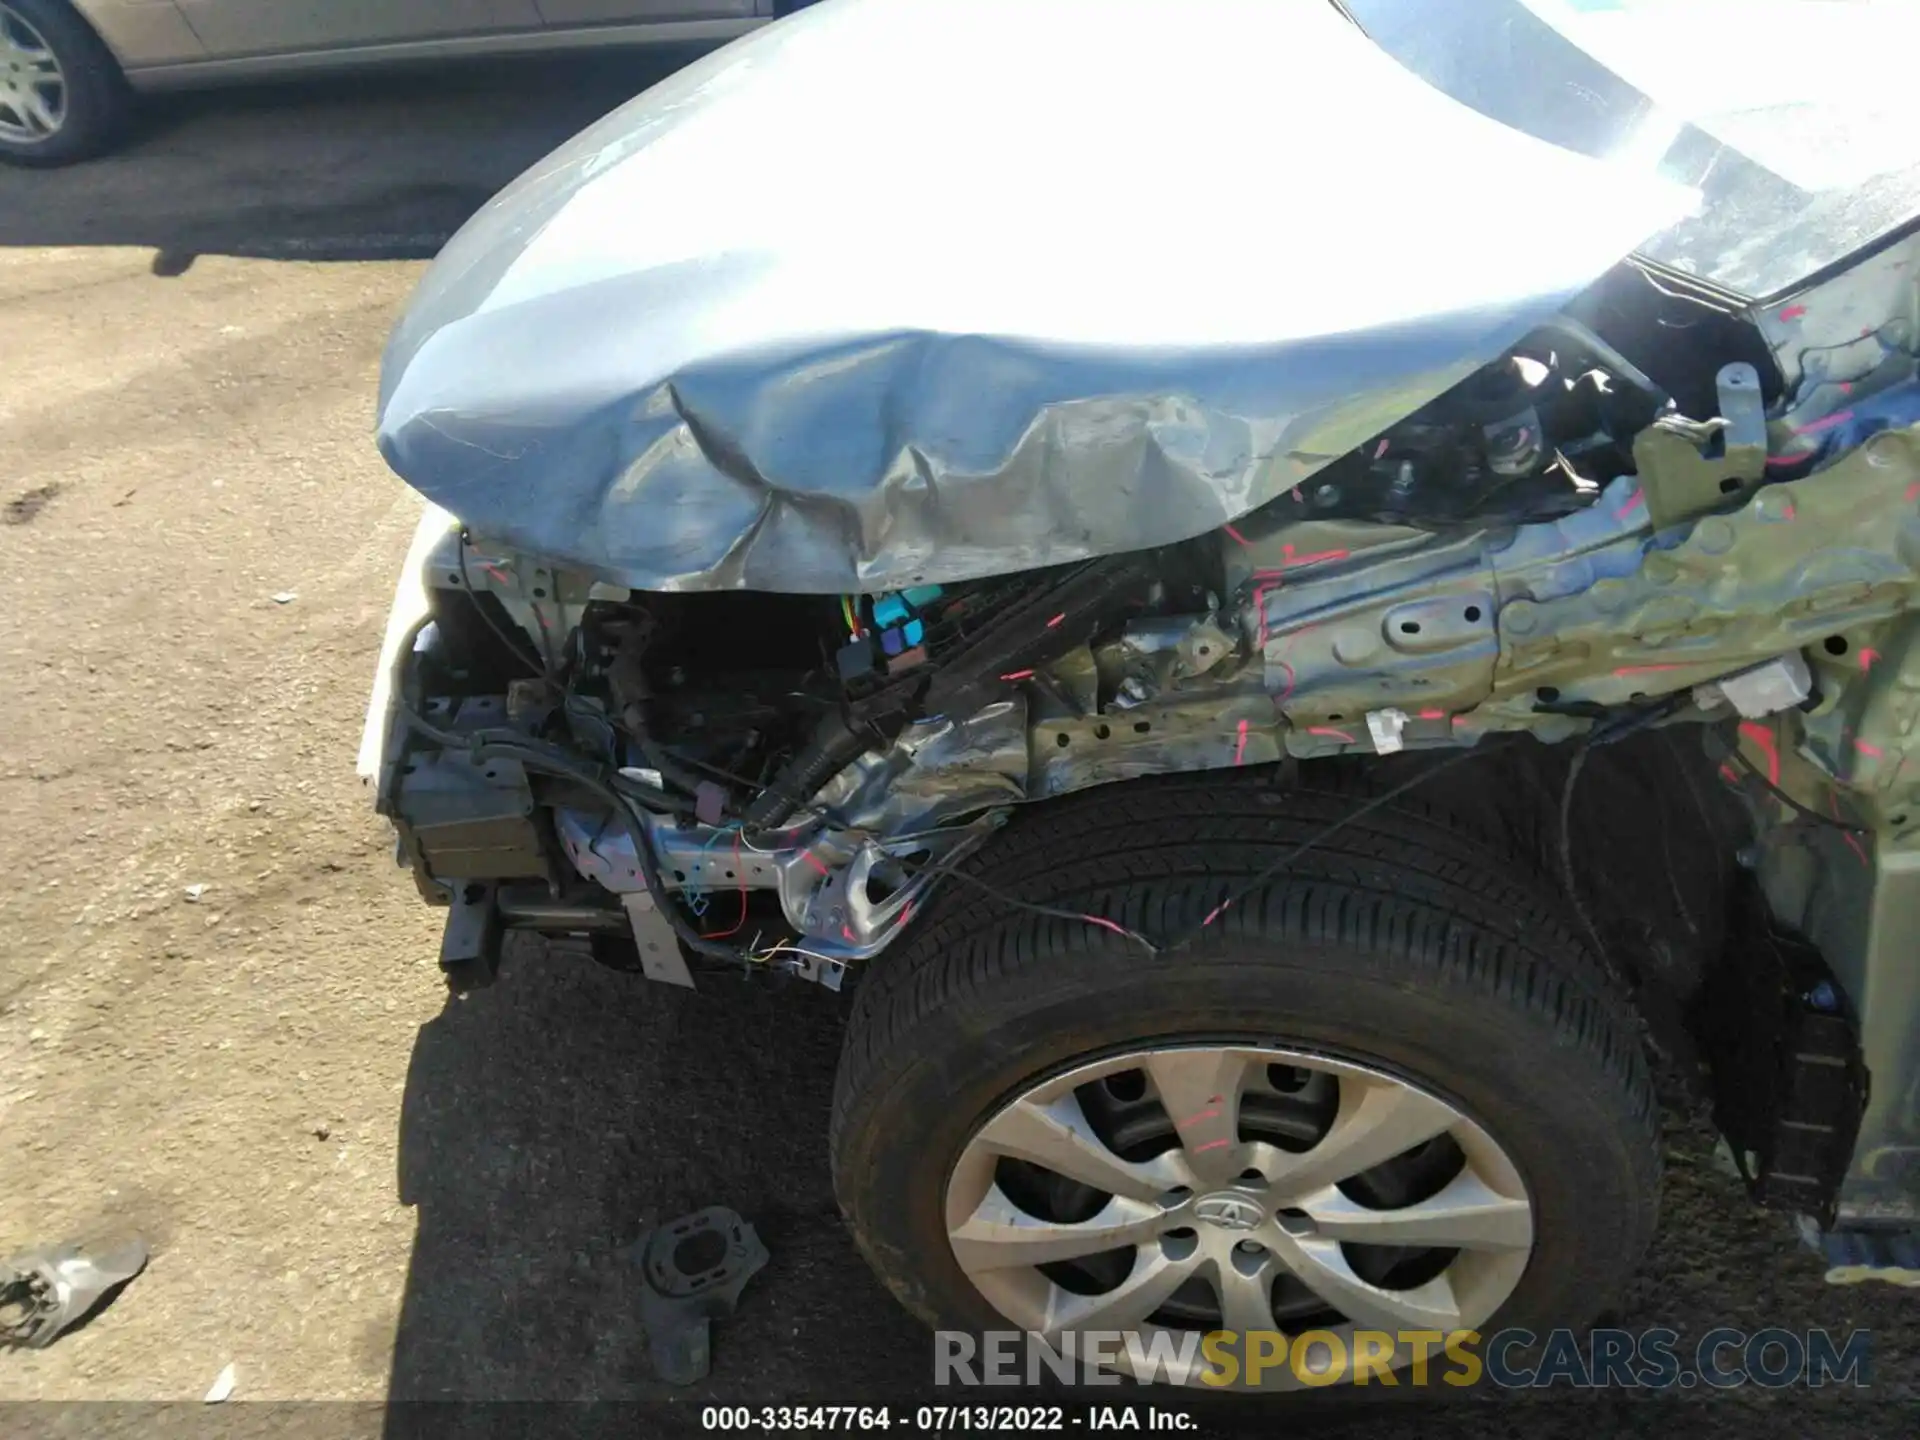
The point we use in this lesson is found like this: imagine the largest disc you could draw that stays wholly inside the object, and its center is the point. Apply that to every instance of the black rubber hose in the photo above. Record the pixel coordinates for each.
(642, 842)
(834, 746)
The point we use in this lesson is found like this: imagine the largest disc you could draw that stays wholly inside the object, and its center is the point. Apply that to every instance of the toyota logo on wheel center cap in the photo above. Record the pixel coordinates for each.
(1228, 1210)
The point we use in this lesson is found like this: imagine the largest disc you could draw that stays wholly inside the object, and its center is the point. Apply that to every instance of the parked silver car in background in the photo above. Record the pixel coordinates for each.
(69, 68)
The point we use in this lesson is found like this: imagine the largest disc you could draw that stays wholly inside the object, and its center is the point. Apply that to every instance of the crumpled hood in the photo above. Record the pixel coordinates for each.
(900, 291)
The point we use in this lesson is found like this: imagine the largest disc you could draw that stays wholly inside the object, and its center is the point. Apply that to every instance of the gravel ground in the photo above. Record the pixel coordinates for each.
(353, 1190)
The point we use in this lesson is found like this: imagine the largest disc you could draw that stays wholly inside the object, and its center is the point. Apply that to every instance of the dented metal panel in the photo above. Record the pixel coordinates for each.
(811, 316)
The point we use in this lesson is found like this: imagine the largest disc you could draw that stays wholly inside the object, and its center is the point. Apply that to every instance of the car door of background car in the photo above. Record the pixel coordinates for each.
(264, 27)
(610, 12)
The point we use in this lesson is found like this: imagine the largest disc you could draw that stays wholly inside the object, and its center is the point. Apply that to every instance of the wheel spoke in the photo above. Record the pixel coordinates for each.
(1323, 1268)
(1465, 1215)
(1057, 1136)
(1153, 1278)
(1186, 1217)
(1377, 1120)
(1000, 1234)
(1200, 1091)
(37, 114)
(1246, 1296)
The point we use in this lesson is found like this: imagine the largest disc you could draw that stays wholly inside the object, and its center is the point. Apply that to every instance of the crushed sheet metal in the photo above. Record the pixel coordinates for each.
(46, 1291)
(808, 317)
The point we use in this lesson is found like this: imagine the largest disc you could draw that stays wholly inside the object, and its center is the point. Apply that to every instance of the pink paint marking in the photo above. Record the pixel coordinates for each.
(1867, 657)
(1330, 732)
(1825, 422)
(1793, 312)
(1762, 739)
(1281, 699)
(1433, 714)
(1260, 609)
(1215, 913)
(1295, 492)
(1853, 844)
(1018, 675)
(1872, 752)
(1196, 1119)
(1292, 559)
(1846, 387)
(815, 861)
(1913, 491)
(1729, 774)
(1218, 1144)
(1237, 536)
(906, 912)
(1057, 620)
(846, 933)
(1787, 512)
(1380, 449)
(1630, 504)
(1240, 747)
(1781, 461)
(497, 573)
(1105, 924)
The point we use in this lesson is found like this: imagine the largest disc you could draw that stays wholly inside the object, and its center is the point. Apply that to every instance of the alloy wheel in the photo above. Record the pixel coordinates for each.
(1208, 1187)
(33, 88)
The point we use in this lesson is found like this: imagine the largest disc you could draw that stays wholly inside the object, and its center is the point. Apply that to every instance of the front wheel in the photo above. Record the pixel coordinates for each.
(1390, 1093)
(62, 96)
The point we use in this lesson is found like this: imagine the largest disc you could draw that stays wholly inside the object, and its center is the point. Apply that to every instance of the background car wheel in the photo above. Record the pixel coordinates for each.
(62, 96)
(1390, 1092)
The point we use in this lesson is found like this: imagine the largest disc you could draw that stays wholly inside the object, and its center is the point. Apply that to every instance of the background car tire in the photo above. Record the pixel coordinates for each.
(1403, 943)
(96, 97)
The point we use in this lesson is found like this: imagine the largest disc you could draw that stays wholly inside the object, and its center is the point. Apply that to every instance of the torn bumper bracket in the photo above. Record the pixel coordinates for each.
(693, 1270)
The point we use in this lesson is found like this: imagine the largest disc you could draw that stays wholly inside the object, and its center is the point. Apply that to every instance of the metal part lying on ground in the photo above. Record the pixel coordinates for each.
(46, 1291)
(692, 1272)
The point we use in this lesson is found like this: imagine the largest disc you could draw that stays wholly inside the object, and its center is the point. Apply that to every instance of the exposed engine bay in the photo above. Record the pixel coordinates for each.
(1561, 545)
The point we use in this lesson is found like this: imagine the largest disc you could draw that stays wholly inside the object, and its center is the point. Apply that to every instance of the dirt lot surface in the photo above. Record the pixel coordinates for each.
(220, 1020)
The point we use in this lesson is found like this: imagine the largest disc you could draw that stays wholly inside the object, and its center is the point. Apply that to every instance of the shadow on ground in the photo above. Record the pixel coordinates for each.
(550, 1120)
(382, 167)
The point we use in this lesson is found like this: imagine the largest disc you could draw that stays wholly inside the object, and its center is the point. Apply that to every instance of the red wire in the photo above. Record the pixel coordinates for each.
(739, 871)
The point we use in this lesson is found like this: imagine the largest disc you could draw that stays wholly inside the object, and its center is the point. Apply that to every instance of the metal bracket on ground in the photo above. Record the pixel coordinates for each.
(693, 1270)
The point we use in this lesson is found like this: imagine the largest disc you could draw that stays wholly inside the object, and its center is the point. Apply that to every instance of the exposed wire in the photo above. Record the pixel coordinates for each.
(1182, 941)
(695, 895)
(1050, 911)
(1804, 811)
(847, 611)
(740, 871)
(483, 744)
(1320, 837)
(761, 957)
(1568, 877)
(514, 646)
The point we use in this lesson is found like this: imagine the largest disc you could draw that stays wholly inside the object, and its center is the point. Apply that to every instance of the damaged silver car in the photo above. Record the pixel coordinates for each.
(1285, 596)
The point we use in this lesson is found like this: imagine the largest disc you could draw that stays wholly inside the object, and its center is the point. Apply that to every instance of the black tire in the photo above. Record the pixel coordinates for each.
(1403, 943)
(97, 99)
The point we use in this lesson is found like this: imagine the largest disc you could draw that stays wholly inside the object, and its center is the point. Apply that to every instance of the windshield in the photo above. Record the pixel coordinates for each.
(1794, 119)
